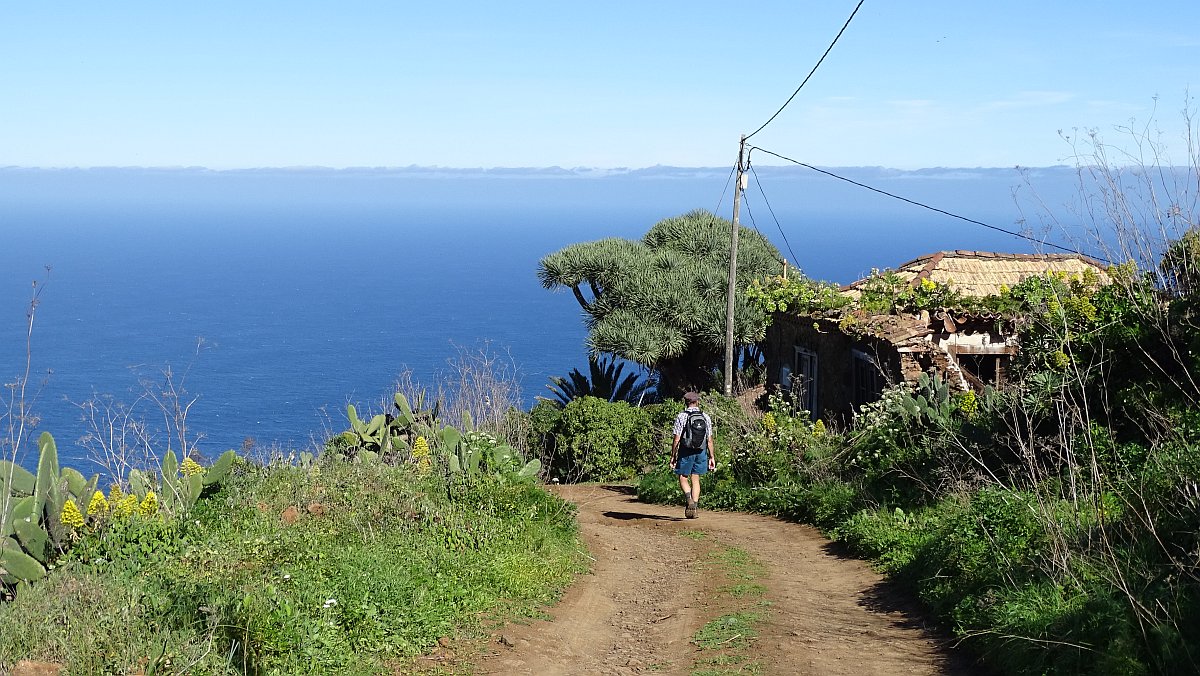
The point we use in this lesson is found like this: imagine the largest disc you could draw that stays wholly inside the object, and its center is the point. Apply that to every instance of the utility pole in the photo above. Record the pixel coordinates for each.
(739, 185)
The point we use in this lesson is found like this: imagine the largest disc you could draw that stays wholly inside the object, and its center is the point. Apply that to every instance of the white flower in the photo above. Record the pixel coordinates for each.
(330, 603)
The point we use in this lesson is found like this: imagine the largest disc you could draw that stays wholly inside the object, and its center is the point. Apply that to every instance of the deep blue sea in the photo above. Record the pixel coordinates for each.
(310, 289)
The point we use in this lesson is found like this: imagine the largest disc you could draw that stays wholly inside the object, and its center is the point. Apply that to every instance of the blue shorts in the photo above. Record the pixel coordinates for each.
(696, 463)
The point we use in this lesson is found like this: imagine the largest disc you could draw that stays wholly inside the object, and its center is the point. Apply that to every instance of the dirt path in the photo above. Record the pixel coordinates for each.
(653, 586)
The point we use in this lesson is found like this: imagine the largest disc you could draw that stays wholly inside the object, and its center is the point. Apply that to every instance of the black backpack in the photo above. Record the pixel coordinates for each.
(695, 431)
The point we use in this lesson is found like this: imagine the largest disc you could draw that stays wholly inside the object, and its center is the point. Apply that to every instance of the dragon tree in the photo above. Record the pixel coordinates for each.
(660, 301)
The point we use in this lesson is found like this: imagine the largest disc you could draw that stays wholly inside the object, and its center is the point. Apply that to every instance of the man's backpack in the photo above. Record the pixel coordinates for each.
(695, 432)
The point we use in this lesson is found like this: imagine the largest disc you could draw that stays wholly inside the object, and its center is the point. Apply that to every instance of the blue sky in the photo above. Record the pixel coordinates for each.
(530, 84)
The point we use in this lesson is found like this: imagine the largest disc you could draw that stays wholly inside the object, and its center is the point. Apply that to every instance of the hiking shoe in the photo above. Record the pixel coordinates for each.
(690, 511)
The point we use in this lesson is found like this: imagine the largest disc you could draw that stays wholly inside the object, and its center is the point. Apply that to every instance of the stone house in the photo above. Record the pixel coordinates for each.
(842, 360)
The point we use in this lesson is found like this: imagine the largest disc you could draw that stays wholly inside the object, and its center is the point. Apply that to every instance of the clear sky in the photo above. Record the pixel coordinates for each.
(912, 83)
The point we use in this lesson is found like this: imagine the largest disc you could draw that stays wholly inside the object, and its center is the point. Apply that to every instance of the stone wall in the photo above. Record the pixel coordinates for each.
(835, 361)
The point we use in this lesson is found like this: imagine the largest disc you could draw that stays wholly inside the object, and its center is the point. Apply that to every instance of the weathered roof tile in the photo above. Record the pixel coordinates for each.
(982, 273)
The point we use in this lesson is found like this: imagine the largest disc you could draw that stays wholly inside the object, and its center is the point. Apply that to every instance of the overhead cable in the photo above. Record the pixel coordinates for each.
(931, 208)
(728, 180)
(810, 73)
(795, 259)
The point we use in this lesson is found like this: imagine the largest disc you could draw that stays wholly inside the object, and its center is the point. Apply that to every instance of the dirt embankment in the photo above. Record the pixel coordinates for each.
(653, 586)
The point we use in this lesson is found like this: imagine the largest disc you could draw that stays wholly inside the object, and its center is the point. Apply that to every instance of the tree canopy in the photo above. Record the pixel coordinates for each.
(661, 301)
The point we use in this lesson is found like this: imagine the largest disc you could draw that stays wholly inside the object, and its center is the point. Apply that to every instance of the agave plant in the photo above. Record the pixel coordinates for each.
(605, 382)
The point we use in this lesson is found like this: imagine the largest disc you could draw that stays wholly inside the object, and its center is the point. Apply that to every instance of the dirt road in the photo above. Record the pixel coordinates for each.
(658, 579)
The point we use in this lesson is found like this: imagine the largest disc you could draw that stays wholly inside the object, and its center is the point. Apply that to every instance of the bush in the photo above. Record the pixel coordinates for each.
(601, 440)
(544, 419)
(660, 485)
(891, 538)
(336, 567)
(988, 541)
(771, 449)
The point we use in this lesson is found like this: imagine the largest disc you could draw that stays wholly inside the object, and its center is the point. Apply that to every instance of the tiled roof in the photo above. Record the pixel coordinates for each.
(982, 273)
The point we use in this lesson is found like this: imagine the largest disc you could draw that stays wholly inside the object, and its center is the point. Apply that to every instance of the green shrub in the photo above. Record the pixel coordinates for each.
(722, 490)
(831, 502)
(603, 440)
(544, 419)
(891, 538)
(1087, 627)
(982, 543)
(134, 542)
(371, 566)
(771, 449)
(660, 486)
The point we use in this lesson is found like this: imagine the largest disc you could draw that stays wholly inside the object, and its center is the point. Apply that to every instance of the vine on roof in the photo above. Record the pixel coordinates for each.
(796, 294)
(887, 293)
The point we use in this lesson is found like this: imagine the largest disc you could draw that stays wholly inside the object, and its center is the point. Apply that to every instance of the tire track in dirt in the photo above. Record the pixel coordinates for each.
(649, 592)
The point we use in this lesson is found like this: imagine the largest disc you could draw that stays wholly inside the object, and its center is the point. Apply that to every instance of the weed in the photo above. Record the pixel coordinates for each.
(727, 665)
(374, 564)
(732, 631)
(743, 589)
(726, 640)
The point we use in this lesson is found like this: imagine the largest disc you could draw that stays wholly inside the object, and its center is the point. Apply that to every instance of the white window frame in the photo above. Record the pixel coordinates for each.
(868, 361)
(805, 370)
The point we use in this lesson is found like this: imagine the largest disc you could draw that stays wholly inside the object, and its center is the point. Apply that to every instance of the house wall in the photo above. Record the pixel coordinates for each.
(835, 361)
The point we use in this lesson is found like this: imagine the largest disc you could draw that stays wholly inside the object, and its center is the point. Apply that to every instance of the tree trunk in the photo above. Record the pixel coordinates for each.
(693, 370)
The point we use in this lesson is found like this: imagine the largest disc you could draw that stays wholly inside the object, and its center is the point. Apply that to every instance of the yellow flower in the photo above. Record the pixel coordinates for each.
(98, 505)
(125, 506)
(149, 506)
(818, 429)
(71, 516)
(420, 448)
(969, 404)
(191, 467)
(420, 454)
(928, 284)
(769, 424)
(115, 495)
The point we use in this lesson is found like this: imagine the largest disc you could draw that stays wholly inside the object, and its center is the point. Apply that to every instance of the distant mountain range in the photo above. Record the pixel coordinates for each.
(657, 171)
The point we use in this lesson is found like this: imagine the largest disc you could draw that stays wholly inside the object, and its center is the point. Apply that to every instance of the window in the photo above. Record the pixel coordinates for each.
(868, 381)
(804, 380)
(987, 369)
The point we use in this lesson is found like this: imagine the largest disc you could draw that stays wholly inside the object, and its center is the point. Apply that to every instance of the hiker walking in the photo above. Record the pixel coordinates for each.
(692, 451)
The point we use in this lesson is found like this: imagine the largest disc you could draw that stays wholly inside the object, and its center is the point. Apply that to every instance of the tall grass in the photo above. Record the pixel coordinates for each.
(337, 568)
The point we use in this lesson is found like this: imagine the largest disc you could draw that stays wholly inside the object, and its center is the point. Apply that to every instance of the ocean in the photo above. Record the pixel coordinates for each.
(277, 297)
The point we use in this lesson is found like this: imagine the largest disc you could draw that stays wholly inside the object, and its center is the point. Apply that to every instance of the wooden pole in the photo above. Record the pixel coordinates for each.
(733, 247)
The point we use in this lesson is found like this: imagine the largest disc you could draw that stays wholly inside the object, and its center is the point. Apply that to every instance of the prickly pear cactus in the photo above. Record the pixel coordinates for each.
(220, 468)
(17, 479)
(531, 468)
(16, 565)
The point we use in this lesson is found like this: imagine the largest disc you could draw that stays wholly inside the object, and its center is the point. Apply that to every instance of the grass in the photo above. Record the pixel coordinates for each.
(727, 665)
(733, 631)
(379, 563)
(726, 641)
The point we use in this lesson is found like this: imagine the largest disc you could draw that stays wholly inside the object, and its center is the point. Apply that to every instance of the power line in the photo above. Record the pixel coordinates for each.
(926, 206)
(810, 73)
(728, 179)
(754, 224)
(772, 212)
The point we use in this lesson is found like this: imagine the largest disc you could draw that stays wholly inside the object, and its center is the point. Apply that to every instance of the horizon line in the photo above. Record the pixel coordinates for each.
(546, 168)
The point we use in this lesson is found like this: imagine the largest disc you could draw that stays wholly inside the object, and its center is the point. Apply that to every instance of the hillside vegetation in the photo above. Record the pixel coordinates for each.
(1052, 525)
(402, 533)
